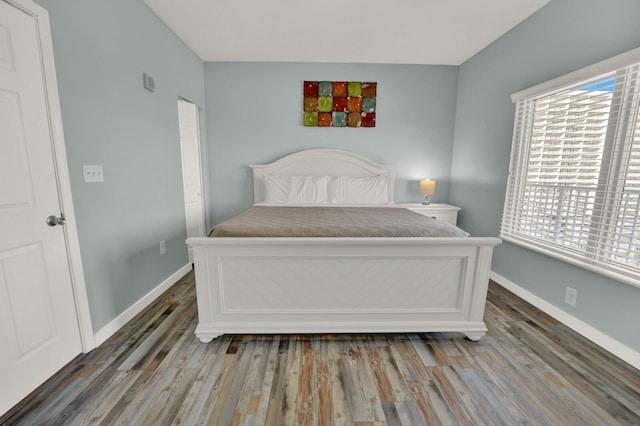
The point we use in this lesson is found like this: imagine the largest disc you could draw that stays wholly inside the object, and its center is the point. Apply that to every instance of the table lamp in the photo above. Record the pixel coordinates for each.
(427, 188)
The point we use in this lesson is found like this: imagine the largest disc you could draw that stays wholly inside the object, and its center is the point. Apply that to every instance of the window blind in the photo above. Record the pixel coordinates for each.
(573, 189)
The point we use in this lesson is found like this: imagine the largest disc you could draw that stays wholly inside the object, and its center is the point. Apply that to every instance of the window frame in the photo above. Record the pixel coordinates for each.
(521, 148)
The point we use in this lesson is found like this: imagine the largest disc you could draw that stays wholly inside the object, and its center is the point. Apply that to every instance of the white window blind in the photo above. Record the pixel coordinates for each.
(573, 190)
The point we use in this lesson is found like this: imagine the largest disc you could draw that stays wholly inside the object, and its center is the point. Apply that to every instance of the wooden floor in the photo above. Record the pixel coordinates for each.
(529, 369)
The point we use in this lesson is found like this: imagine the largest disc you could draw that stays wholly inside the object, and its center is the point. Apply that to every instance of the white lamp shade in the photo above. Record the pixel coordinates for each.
(427, 187)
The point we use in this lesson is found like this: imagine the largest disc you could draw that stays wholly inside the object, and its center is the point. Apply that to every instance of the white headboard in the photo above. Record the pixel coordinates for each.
(321, 162)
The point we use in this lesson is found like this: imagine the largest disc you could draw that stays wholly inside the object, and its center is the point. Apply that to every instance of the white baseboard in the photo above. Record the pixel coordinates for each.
(596, 336)
(110, 329)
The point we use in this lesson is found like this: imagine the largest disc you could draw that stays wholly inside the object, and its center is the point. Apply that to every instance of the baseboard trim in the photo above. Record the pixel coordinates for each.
(606, 342)
(111, 328)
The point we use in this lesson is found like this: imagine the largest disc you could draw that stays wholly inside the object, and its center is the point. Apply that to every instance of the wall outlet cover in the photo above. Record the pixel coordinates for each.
(571, 296)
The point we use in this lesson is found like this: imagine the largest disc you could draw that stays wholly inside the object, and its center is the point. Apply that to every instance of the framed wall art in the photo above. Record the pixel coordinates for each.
(339, 104)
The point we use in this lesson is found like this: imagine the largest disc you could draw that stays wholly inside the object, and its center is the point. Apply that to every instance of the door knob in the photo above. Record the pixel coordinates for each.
(54, 220)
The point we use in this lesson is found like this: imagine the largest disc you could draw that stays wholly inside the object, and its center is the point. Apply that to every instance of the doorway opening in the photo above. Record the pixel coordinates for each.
(189, 126)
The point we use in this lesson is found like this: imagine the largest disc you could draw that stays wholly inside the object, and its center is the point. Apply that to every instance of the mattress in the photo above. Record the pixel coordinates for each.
(320, 221)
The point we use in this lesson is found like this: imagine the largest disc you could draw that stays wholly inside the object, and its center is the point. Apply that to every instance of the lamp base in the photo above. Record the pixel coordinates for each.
(427, 200)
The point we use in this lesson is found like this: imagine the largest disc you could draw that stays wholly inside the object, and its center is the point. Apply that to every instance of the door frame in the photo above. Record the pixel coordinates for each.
(63, 180)
(201, 174)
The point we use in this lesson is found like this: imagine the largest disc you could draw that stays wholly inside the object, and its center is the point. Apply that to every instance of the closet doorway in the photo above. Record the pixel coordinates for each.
(189, 125)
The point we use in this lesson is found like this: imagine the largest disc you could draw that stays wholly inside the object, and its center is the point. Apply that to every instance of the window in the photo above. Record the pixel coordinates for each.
(573, 190)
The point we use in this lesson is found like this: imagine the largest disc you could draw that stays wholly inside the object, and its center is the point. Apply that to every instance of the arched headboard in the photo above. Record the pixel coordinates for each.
(321, 162)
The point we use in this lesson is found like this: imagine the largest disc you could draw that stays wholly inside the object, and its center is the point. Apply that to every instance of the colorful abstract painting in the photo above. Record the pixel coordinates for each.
(339, 104)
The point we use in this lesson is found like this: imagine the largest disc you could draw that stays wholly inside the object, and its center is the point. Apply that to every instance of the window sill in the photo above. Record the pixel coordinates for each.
(621, 275)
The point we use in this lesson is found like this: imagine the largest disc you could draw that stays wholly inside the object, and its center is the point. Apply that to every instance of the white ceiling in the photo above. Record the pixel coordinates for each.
(445, 32)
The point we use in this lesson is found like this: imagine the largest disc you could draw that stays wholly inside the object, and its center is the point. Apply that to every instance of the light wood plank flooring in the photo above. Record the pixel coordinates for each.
(529, 369)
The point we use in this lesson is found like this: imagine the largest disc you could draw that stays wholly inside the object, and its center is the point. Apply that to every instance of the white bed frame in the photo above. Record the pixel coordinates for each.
(339, 285)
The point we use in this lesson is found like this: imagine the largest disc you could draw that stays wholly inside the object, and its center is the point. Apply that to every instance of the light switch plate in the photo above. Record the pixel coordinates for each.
(92, 174)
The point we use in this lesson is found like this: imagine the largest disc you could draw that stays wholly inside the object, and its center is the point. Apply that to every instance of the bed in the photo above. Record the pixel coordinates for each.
(337, 284)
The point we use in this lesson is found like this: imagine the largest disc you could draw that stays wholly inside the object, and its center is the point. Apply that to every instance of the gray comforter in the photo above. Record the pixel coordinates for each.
(289, 221)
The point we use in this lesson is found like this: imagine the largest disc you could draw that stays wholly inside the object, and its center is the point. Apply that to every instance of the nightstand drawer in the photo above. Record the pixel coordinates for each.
(442, 212)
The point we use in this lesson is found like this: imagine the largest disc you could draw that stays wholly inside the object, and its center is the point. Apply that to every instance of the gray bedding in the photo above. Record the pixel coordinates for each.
(318, 221)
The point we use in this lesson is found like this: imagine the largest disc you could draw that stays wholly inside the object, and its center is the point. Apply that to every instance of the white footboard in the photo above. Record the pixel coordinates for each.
(341, 285)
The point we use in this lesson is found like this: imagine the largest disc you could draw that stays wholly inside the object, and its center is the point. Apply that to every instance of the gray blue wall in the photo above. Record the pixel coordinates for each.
(101, 50)
(564, 36)
(254, 116)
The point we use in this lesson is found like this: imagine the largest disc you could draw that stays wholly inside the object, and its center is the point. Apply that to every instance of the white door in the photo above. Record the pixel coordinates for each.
(191, 169)
(39, 326)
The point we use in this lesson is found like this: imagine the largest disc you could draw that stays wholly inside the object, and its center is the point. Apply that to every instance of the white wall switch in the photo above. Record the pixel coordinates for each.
(92, 174)
(163, 248)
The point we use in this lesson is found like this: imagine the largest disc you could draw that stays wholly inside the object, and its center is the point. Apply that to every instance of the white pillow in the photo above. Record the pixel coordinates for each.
(308, 190)
(276, 189)
(281, 189)
(358, 190)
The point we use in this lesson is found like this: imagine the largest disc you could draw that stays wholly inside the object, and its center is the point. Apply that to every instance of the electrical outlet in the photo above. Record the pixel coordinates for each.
(163, 248)
(571, 296)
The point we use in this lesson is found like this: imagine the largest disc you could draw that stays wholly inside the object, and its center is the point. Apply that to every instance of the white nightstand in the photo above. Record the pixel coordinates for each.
(443, 212)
